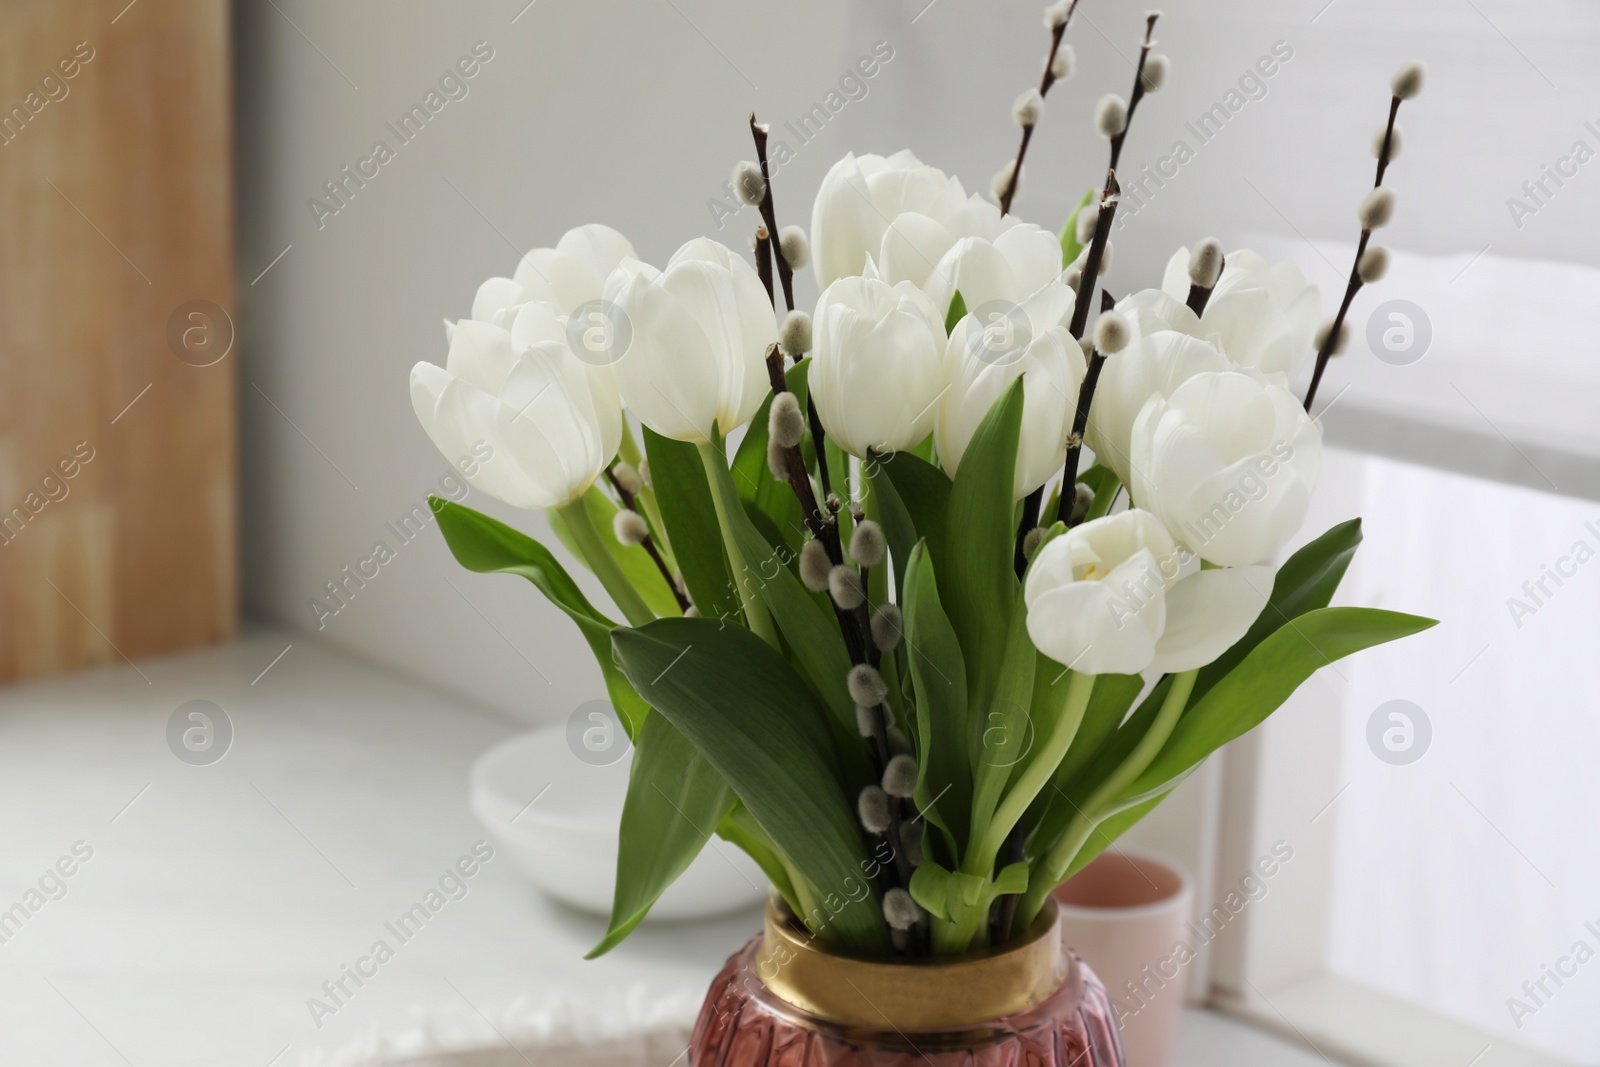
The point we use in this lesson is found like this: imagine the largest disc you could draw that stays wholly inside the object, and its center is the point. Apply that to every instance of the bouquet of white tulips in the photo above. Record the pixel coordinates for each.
(926, 596)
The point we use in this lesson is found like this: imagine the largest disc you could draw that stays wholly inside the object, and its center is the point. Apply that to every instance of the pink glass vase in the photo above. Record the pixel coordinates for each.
(859, 1013)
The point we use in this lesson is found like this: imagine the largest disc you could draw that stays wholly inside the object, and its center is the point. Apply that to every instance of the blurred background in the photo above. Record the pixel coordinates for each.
(210, 307)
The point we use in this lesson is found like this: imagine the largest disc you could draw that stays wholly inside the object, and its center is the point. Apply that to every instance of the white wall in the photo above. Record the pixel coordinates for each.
(626, 113)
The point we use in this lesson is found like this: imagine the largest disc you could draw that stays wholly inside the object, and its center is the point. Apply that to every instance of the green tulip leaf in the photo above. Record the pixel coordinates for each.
(637, 566)
(913, 497)
(1306, 581)
(944, 775)
(955, 313)
(930, 887)
(753, 719)
(977, 581)
(811, 631)
(1070, 248)
(1260, 684)
(675, 798)
(679, 480)
(1000, 736)
(488, 546)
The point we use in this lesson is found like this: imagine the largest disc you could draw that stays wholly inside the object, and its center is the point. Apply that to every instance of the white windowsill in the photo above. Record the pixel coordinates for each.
(1321, 1012)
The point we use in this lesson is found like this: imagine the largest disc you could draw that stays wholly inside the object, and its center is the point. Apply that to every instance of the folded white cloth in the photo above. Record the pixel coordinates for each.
(638, 1030)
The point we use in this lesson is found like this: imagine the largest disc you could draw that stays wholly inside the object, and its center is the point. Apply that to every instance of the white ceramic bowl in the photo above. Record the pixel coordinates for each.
(566, 842)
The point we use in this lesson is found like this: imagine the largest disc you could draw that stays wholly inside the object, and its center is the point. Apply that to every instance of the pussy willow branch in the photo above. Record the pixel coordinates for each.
(768, 216)
(1097, 252)
(764, 262)
(1080, 425)
(1045, 83)
(1200, 295)
(854, 625)
(648, 544)
(1138, 88)
(1331, 342)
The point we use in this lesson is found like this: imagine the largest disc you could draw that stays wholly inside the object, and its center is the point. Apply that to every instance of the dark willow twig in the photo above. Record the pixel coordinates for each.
(1045, 83)
(1330, 343)
(853, 624)
(768, 215)
(1138, 88)
(648, 544)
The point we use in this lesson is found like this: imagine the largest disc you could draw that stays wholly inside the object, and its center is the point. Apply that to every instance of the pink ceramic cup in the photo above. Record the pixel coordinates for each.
(1125, 915)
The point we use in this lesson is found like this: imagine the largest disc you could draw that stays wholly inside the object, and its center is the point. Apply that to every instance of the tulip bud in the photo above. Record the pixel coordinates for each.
(867, 687)
(630, 528)
(1373, 264)
(867, 546)
(701, 330)
(1000, 184)
(794, 336)
(1111, 115)
(888, 625)
(814, 566)
(1055, 15)
(1061, 66)
(794, 246)
(900, 776)
(1028, 108)
(1338, 343)
(1407, 81)
(1394, 142)
(1377, 209)
(785, 425)
(911, 843)
(873, 340)
(844, 586)
(1155, 73)
(1205, 263)
(873, 808)
(1111, 333)
(777, 460)
(627, 478)
(748, 182)
(1088, 218)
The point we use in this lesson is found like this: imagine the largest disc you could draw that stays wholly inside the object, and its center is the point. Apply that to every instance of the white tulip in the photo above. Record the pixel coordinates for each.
(550, 421)
(1117, 596)
(569, 275)
(1006, 268)
(1160, 356)
(1261, 316)
(982, 358)
(700, 331)
(861, 196)
(877, 367)
(1229, 463)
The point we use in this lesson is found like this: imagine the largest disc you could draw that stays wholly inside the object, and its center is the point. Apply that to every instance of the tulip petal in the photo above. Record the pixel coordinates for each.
(481, 354)
(1207, 613)
(494, 295)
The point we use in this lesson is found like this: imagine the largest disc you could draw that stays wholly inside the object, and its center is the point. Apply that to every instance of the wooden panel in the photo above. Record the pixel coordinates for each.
(117, 522)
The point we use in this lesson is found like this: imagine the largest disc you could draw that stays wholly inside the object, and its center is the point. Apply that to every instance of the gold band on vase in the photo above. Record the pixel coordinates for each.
(924, 994)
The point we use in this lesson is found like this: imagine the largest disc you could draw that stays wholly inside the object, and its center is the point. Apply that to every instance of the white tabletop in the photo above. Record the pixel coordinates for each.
(218, 899)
